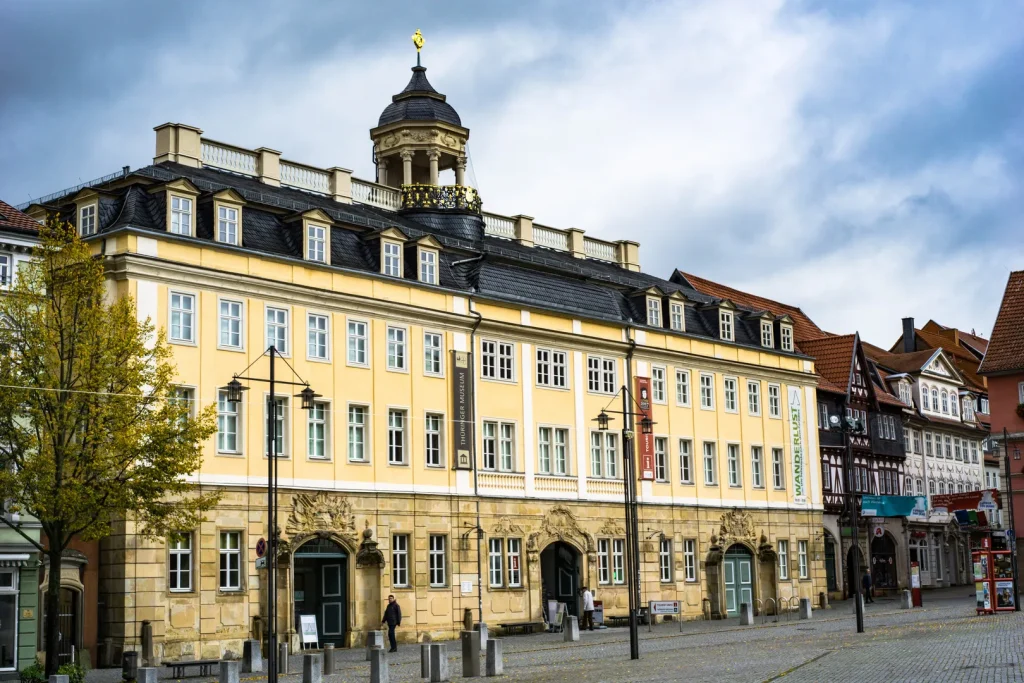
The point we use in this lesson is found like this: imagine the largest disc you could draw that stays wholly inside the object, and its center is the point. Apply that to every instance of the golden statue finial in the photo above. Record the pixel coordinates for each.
(417, 40)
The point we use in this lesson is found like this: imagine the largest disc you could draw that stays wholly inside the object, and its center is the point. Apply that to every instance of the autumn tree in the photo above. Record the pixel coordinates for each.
(92, 430)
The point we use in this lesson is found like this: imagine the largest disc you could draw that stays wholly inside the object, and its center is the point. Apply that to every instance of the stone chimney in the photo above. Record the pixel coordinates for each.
(909, 336)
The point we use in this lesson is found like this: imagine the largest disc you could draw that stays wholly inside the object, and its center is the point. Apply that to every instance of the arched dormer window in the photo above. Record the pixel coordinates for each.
(935, 399)
(945, 401)
(924, 397)
(954, 404)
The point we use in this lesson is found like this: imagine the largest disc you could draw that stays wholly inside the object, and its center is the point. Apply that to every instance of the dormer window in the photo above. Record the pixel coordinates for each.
(968, 409)
(725, 325)
(953, 404)
(87, 220)
(227, 225)
(316, 243)
(767, 335)
(428, 266)
(391, 259)
(181, 215)
(676, 316)
(924, 397)
(653, 312)
(786, 334)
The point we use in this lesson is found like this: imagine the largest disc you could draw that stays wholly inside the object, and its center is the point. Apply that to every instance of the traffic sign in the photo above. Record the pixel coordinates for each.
(261, 563)
(261, 547)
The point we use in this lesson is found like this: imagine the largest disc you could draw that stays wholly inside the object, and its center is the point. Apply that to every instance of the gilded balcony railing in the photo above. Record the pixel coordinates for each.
(421, 196)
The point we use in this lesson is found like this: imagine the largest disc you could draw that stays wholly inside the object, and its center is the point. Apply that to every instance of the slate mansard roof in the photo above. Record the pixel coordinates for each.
(419, 102)
(471, 262)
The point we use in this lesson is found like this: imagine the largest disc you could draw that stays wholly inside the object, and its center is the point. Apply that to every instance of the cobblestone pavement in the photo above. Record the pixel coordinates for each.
(945, 641)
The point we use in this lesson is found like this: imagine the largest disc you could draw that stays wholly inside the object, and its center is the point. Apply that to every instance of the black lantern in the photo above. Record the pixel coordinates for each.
(308, 397)
(646, 426)
(602, 420)
(235, 389)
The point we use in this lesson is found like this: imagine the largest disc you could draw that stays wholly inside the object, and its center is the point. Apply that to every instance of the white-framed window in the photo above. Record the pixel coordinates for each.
(682, 388)
(317, 421)
(731, 399)
(984, 401)
(179, 570)
(318, 336)
(767, 335)
(6, 274)
(945, 401)
(357, 433)
(733, 460)
(396, 348)
(227, 225)
(496, 562)
(281, 439)
(949, 447)
(396, 437)
(725, 324)
(87, 220)
(604, 561)
(710, 467)
(658, 384)
(778, 469)
(604, 447)
(618, 560)
(801, 559)
(676, 317)
(184, 396)
(230, 560)
(690, 559)
(227, 424)
(974, 451)
(916, 436)
(497, 360)
(552, 450)
(181, 215)
(277, 329)
(707, 391)
(822, 415)
(552, 368)
(432, 431)
(230, 324)
(786, 333)
(665, 560)
(935, 400)
(400, 560)
(392, 259)
(661, 458)
(601, 375)
(686, 461)
(438, 560)
(316, 243)
(428, 266)
(774, 400)
(753, 397)
(498, 450)
(957, 451)
(653, 312)
(783, 551)
(757, 467)
(433, 354)
(514, 564)
(928, 443)
(183, 316)
(357, 333)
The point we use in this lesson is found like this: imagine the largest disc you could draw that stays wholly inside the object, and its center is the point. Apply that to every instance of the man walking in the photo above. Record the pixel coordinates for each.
(865, 583)
(588, 609)
(393, 618)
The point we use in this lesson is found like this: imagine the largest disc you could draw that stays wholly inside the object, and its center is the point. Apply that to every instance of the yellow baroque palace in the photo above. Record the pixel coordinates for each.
(461, 359)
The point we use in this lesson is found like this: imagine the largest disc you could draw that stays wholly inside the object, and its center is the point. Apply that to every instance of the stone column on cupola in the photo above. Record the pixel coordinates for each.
(382, 171)
(406, 166)
(460, 171)
(434, 156)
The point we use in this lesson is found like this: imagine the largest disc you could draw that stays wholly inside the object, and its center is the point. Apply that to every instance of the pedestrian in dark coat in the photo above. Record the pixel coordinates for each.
(393, 619)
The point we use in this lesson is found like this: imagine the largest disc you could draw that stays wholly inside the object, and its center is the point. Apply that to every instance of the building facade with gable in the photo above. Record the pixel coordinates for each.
(461, 358)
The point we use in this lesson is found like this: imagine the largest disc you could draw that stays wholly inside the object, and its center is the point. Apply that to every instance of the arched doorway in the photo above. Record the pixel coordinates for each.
(853, 581)
(738, 577)
(560, 571)
(883, 562)
(320, 588)
(831, 577)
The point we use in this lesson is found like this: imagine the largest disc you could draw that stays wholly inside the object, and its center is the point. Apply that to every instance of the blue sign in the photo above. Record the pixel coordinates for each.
(891, 506)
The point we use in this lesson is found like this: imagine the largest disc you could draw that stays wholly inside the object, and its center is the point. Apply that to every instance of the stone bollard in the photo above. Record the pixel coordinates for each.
(470, 654)
(746, 614)
(147, 644)
(312, 667)
(147, 674)
(439, 663)
(282, 658)
(424, 660)
(328, 659)
(374, 639)
(570, 629)
(228, 672)
(853, 605)
(378, 666)
(58, 679)
(252, 657)
(823, 600)
(495, 665)
(805, 608)
(906, 601)
(481, 628)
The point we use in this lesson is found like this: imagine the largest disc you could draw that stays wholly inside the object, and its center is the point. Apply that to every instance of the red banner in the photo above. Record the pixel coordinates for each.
(971, 500)
(644, 442)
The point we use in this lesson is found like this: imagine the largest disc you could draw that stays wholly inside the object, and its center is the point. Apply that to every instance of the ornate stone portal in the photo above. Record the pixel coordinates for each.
(321, 514)
(737, 526)
(560, 524)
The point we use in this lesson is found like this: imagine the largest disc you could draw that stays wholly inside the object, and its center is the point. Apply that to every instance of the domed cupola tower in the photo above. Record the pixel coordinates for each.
(419, 135)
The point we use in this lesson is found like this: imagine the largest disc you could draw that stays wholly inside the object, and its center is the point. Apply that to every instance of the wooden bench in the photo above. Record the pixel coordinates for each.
(616, 620)
(523, 627)
(205, 666)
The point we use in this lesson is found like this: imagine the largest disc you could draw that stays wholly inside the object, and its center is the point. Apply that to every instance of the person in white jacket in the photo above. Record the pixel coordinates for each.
(588, 609)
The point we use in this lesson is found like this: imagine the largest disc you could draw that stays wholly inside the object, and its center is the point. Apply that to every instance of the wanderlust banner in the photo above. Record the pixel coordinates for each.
(796, 440)
(644, 442)
(462, 411)
(893, 506)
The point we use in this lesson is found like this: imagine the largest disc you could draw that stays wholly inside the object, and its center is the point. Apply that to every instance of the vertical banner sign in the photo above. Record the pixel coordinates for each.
(796, 438)
(462, 411)
(644, 442)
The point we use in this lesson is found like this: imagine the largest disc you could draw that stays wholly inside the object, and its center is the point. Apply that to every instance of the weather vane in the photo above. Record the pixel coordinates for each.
(417, 40)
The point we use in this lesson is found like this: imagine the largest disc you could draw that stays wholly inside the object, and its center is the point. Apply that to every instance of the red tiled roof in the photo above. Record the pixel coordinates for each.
(11, 218)
(803, 327)
(832, 359)
(950, 340)
(898, 362)
(1006, 348)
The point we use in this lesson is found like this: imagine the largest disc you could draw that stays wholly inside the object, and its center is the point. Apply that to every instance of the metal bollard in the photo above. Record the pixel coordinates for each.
(228, 672)
(424, 660)
(378, 666)
(147, 674)
(439, 663)
(470, 654)
(328, 659)
(282, 658)
(312, 668)
(252, 657)
(495, 664)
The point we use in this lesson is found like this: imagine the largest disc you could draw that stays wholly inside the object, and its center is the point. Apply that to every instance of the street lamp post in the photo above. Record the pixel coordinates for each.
(632, 517)
(847, 426)
(234, 391)
(1013, 521)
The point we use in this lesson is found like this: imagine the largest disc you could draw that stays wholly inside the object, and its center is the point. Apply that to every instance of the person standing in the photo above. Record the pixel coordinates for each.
(393, 618)
(588, 609)
(865, 583)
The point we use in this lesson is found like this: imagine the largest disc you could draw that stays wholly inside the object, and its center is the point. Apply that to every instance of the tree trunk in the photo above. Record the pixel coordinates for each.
(52, 625)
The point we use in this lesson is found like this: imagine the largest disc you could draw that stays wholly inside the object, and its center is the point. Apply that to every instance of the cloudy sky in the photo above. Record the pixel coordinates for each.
(863, 160)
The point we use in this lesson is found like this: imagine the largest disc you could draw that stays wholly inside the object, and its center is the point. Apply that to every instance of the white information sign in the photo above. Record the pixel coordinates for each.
(664, 607)
(467, 587)
(308, 622)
